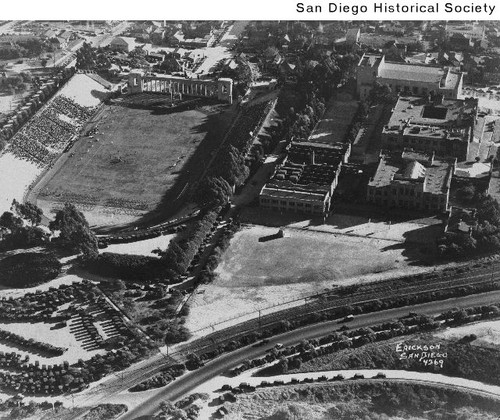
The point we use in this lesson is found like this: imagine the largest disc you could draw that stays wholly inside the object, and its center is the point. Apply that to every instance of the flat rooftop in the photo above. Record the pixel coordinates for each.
(270, 191)
(309, 168)
(305, 177)
(324, 153)
(419, 117)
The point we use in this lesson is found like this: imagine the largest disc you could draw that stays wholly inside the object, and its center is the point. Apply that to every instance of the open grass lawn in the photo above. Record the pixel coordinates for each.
(302, 256)
(133, 160)
(254, 275)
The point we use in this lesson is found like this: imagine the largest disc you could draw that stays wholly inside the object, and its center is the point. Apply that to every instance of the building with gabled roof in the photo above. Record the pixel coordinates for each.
(124, 44)
(411, 78)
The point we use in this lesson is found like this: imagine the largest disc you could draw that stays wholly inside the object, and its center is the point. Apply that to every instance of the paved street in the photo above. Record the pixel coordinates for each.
(190, 381)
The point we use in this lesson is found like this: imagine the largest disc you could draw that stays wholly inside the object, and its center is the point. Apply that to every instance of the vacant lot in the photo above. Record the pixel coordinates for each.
(254, 275)
(488, 333)
(132, 160)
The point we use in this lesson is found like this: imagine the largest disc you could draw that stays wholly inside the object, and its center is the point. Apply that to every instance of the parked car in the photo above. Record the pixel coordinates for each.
(347, 318)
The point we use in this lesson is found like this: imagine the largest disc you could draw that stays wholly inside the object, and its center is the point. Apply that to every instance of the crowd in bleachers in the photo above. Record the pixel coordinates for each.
(50, 131)
(70, 108)
(28, 149)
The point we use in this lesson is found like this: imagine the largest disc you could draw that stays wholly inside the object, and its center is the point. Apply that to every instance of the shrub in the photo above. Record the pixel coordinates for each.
(28, 269)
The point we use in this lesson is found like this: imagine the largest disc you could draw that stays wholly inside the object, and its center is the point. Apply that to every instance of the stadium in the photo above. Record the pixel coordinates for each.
(134, 158)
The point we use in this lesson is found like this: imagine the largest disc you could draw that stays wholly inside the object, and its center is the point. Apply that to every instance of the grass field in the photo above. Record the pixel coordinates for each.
(302, 256)
(254, 275)
(131, 162)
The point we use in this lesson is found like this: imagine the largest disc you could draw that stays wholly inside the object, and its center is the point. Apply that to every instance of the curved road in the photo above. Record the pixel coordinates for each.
(191, 380)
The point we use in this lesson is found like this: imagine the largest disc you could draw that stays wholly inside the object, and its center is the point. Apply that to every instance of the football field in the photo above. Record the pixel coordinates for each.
(131, 160)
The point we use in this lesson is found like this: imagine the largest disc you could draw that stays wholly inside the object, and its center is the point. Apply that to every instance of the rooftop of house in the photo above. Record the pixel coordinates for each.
(124, 40)
(434, 175)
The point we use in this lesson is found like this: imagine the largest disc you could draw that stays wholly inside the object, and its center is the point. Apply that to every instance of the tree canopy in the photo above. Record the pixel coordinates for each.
(28, 211)
(90, 58)
(28, 269)
(213, 191)
(75, 232)
(19, 235)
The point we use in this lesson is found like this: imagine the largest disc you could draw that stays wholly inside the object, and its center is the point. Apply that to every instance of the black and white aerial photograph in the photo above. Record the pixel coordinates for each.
(249, 220)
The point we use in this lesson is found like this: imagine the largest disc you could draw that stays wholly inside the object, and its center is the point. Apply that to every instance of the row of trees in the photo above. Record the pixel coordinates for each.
(127, 267)
(183, 248)
(16, 83)
(299, 124)
(357, 122)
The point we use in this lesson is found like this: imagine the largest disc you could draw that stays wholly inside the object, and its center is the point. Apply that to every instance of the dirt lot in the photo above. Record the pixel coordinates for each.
(488, 333)
(254, 275)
